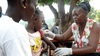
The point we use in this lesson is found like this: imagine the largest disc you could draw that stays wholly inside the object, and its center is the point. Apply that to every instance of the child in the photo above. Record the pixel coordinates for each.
(33, 28)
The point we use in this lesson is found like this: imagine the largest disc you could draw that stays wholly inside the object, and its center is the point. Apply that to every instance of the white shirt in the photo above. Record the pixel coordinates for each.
(24, 23)
(14, 40)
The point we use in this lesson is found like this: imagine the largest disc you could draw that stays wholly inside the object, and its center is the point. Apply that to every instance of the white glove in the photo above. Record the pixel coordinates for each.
(63, 51)
(49, 34)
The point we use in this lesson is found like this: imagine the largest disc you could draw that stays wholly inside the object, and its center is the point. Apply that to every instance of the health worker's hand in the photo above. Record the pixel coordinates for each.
(63, 51)
(49, 34)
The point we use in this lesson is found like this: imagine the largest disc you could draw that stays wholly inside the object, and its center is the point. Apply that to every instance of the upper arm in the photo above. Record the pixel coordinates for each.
(68, 33)
(94, 36)
(64, 36)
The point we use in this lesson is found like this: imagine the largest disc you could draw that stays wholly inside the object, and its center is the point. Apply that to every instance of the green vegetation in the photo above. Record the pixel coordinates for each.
(50, 2)
(94, 14)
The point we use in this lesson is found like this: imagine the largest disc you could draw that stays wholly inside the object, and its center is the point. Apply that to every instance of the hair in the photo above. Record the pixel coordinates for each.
(38, 12)
(11, 2)
(85, 6)
(1, 8)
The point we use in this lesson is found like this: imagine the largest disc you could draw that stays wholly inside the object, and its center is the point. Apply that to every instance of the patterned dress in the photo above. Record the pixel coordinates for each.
(35, 43)
(84, 40)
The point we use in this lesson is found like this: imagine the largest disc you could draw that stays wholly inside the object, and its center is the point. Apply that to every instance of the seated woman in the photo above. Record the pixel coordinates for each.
(84, 30)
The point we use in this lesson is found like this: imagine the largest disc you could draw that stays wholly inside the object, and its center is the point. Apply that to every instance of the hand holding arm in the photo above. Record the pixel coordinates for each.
(49, 34)
(44, 47)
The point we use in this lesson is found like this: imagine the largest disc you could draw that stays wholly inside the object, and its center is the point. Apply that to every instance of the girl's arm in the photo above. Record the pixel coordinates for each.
(49, 42)
(44, 47)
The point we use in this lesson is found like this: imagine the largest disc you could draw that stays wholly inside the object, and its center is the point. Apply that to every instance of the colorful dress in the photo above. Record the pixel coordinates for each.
(35, 43)
(84, 40)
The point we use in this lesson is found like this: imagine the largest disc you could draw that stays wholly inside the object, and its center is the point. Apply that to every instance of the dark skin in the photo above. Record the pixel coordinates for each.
(57, 22)
(34, 25)
(80, 16)
(22, 9)
(44, 47)
(0, 11)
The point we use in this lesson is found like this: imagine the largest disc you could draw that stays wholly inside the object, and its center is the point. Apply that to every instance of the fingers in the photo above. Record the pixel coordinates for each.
(60, 55)
(57, 49)
(49, 34)
(58, 52)
(46, 31)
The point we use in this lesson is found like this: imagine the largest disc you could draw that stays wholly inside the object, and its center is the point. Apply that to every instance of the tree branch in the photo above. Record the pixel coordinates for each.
(54, 11)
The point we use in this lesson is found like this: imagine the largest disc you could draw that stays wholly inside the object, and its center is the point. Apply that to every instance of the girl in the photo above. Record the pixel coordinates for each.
(33, 28)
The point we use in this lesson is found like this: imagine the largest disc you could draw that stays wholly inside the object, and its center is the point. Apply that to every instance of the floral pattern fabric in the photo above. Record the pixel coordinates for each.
(84, 40)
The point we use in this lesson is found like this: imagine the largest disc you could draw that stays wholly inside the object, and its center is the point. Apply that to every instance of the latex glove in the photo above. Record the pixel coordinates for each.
(49, 34)
(63, 51)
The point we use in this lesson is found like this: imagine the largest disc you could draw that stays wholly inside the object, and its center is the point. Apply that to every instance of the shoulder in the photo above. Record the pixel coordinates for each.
(96, 26)
(14, 32)
(74, 26)
(19, 30)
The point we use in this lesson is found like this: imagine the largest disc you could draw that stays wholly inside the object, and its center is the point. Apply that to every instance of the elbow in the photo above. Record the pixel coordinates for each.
(92, 50)
(63, 38)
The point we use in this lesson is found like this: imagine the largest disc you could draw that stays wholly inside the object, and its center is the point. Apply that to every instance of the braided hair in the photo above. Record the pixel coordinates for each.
(85, 6)
(38, 12)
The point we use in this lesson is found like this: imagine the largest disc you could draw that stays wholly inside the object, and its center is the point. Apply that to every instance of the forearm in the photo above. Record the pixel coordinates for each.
(65, 36)
(52, 46)
(83, 50)
(49, 43)
(44, 46)
(59, 37)
(71, 39)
